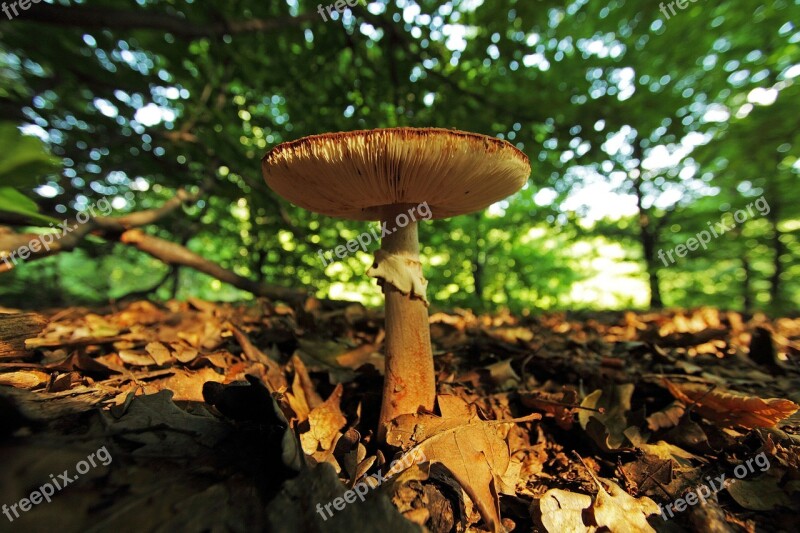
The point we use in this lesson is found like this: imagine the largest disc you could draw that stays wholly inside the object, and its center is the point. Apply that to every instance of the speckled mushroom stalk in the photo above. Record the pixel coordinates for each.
(410, 382)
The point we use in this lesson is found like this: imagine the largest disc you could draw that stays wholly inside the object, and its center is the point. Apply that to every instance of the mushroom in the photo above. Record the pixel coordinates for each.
(384, 175)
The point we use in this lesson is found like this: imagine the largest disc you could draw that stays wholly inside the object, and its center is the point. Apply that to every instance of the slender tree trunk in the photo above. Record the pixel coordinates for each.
(478, 261)
(648, 235)
(746, 285)
(648, 242)
(774, 218)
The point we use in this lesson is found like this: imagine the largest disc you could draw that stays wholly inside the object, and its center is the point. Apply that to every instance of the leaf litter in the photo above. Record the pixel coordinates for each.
(224, 417)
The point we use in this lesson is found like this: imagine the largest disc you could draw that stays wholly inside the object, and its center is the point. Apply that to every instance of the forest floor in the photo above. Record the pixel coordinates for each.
(192, 416)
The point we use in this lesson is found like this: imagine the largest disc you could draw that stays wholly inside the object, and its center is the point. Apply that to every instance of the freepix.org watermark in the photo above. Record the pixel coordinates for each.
(339, 6)
(682, 4)
(45, 493)
(365, 239)
(718, 229)
(46, 240)
(11, 7)
(714, 486)
(371, 482)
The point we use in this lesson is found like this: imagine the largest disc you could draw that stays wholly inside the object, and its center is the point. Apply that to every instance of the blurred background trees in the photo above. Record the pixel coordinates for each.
(641, 131)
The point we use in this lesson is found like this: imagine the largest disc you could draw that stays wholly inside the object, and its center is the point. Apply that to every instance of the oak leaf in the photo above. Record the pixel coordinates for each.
(475, 452)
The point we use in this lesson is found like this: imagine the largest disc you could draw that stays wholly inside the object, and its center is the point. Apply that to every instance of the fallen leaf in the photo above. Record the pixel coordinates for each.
(136, 358)
(731, 409)
(607, 428)
(668, 417)
(619, 511)
(324, 424)
(24, 379)
(162, 429)
(562, 511)
(761, 494)
(185, 384)
(473, 450)
(159, 353)
(561, 405)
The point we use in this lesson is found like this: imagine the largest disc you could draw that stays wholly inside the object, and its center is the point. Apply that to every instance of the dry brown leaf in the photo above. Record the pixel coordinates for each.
(187, 385)
(661, 449)
(24, 379)
(159, 353)
(451, 406)
(562, 511)
(607, 428)
(668, 417)
(731, 409)
(136, 358)
(620, 512)
(473, 450)
(363, 355)
(511, 335)
(324, 424)
(556, 405)
(503, 375)
(182, 353)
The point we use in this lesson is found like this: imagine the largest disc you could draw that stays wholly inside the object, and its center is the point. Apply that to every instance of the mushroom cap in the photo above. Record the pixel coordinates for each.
(366, 175)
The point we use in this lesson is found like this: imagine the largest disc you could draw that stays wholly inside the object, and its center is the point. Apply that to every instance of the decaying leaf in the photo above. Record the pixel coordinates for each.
(762, 494)
(731, 409)
(558, 405)
(324, 423)
(473, 450)
(605, 419)
(661, 449)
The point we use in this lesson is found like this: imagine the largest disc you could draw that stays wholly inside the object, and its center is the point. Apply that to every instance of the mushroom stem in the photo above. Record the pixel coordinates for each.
(410, 381)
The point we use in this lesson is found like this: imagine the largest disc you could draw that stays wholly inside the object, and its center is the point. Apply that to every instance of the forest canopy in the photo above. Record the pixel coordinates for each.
(663, 143)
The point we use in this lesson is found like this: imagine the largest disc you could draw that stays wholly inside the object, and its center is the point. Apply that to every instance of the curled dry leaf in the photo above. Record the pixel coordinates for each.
(668, 417)
(474, 451)
(730, 409)
(324, 424)
(136, 358)
(613, 508)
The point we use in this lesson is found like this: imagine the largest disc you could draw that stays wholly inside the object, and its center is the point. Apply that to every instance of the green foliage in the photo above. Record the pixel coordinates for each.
(666, 118)
(25, 161)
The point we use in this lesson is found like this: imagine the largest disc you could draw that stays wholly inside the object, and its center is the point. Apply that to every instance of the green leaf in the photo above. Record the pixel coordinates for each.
(13, 201)
(24, 159)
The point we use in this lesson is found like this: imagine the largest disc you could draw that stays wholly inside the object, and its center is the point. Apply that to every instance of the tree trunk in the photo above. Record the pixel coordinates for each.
(648, 234)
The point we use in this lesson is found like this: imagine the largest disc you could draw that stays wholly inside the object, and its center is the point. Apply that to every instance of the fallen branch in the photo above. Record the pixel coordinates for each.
(175, 254)
(107, 227)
